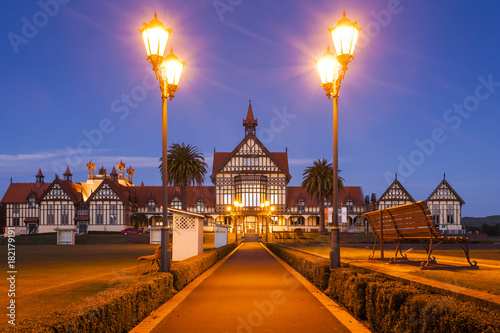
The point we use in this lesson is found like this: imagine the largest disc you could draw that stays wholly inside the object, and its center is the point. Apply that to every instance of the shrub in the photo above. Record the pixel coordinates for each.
(114, 310)
(315, 269)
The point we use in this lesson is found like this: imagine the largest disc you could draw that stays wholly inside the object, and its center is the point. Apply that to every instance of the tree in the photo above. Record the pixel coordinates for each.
(317, 180)
(185, 167)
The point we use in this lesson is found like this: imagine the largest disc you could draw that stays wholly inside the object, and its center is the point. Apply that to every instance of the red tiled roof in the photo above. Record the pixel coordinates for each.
(72, 189)
(295, 193)
(219, 158)
(142, 194)
(18, 192)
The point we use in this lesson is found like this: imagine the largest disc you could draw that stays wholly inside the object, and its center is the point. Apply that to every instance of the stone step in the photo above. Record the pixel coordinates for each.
(251, 238)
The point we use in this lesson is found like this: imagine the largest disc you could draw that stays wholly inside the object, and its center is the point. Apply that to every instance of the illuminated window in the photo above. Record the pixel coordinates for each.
(176, 203)
(200, 206)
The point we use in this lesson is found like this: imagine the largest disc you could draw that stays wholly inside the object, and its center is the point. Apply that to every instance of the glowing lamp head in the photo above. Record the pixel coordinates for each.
(155, 37)
(228, 208)
(171, 69)
(236, 203)
(267, 203)
(328, 67)
(344, 35)
(272, 208)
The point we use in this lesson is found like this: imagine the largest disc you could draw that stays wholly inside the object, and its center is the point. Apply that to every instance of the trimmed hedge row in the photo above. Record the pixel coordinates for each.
(187, 270)
(315, 269)
(121, 308)
(392, 306)
(117, 309)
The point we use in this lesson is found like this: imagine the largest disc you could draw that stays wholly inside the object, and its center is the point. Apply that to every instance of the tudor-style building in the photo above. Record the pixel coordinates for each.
(444, 204)
(250, 174)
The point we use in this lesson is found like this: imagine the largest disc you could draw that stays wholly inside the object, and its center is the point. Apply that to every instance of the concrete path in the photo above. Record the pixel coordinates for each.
(250, 292)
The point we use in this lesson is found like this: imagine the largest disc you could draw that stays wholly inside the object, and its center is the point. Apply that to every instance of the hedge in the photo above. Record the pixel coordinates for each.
(391, 306)
(117, 309)
(315, 269)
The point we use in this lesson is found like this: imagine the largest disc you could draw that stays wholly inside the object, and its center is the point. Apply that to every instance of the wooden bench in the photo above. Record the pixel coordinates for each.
(154, 260)
(277, 236)
(410, 223)
(299, 233)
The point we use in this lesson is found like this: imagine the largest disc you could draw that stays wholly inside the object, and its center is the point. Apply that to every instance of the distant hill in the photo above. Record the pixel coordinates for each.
(479, 221)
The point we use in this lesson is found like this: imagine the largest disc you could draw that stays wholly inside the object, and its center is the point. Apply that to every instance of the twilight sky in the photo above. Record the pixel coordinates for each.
(421, 98)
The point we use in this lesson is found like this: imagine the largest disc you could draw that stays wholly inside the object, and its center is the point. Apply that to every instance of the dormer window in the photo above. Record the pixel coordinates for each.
(443, 192)
(105, 191)
(349, 204)
(151, 205)
(57, 192)
(328, 203)
(176, 203)
(200, 206)
(301, 206)
(394, 192)
(31, 202)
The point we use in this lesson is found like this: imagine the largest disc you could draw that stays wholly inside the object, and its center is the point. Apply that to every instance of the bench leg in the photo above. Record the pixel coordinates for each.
(430, 257)
(374, 247)
(398, 249)
(465, 247)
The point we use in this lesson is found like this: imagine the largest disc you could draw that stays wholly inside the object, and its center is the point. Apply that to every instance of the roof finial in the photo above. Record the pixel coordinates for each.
(396, 176)
(444, 175)
(250, 122)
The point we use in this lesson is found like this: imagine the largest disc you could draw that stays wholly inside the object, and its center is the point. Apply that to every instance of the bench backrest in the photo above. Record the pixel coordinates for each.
(406, 221)
(299, 232)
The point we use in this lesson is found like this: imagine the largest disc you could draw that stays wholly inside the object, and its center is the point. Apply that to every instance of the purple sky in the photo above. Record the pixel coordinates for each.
(421, 98)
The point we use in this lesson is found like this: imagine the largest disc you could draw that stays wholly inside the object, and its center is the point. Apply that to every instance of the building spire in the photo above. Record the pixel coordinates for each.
(250, 122)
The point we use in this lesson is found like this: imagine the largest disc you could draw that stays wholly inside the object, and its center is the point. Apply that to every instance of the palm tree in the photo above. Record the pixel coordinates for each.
(317, 180)
(186, 166)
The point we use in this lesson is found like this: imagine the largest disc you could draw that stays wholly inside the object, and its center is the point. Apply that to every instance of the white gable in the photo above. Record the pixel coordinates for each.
(395, 192)
(56, 193)
(250, 157)
(105, 192)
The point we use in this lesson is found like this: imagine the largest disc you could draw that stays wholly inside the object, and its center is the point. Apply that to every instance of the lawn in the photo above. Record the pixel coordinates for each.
(485, 278)
(52, 277)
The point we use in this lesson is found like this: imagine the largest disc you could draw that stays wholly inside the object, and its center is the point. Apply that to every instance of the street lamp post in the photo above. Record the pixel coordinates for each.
(332, 70)
(168, 72)
(234, 212)
(267, 210)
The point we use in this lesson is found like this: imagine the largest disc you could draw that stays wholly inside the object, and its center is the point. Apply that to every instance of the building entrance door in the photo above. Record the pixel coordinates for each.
(251, 225)
(32, 228)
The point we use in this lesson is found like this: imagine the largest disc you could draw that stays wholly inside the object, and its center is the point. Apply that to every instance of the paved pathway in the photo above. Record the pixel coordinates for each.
(250, 292)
